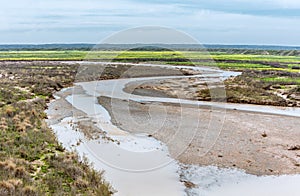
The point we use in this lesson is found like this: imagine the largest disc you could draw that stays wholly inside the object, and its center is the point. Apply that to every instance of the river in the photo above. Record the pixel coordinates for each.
(140, 165)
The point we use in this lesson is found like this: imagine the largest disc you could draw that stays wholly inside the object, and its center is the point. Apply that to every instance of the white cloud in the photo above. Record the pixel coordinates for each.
(228, 28)
(86, 21)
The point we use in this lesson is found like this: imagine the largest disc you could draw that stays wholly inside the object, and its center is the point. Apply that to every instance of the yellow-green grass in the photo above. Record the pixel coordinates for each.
(42, 55)
(200, 58)
(292, 80)
(79, 55)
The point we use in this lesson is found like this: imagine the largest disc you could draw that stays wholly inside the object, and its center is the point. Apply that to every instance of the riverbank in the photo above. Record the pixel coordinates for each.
(247, 88)
(32, 161)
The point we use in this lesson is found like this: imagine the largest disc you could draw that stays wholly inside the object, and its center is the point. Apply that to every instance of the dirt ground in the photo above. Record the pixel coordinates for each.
(261, 144)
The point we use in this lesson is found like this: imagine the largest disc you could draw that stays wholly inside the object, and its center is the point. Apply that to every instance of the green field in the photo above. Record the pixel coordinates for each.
(220, 59)
(291, 80)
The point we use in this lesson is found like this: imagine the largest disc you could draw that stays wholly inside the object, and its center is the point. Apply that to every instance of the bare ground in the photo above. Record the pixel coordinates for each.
(258, 143)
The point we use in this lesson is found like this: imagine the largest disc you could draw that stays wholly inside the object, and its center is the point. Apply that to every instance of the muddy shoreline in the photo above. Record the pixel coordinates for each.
(260, 148)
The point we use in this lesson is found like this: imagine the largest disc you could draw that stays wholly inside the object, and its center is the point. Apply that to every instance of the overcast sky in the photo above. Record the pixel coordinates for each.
(274, 22)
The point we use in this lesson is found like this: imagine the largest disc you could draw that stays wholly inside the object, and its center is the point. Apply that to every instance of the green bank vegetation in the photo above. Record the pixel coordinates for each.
(32, 162)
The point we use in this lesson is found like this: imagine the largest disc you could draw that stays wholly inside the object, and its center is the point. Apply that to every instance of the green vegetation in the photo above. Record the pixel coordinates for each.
(42, 55)
(282, 80)
(247, 88)
(32, 162)
(220, 59)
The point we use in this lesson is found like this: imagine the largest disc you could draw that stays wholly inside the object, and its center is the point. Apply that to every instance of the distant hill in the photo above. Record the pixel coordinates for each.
(245, 49)
(47, 46)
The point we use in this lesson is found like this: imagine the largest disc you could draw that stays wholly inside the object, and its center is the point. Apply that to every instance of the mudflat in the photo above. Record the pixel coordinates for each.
(261, 144)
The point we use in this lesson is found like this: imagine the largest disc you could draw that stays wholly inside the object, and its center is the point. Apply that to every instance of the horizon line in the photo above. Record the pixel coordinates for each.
(87, 43)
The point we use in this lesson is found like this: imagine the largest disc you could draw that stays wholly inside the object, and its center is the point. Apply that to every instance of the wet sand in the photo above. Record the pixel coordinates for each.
(257, 143)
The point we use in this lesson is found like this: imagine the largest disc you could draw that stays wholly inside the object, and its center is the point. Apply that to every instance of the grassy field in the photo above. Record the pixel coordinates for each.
(220, 59)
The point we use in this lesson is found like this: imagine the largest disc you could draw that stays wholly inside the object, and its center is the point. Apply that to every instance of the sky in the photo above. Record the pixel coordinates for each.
(263, 22)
